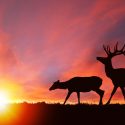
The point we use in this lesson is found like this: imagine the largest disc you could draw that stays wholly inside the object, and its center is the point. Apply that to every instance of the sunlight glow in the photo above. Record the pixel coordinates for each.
(9, 89)
(4, 100)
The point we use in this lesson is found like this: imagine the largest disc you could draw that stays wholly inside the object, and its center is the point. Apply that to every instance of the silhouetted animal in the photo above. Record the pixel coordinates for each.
(116, 75)
(80, 84)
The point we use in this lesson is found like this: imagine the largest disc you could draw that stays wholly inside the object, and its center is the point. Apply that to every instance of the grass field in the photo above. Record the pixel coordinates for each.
(56, 114)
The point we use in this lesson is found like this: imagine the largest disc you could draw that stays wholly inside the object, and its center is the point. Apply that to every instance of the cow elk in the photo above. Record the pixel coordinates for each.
(80, 84)
(116, 75)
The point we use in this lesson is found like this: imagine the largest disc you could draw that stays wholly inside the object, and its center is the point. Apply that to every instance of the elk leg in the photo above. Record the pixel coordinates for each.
(68, 95)
(123, 92)
(101, 93)
(78, 95)
(113, 92)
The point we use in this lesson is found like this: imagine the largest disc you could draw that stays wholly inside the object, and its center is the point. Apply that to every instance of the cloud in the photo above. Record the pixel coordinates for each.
(7, 55)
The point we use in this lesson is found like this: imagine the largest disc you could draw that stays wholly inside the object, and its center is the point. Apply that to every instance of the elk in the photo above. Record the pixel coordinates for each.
(116, 75)
(80, 84)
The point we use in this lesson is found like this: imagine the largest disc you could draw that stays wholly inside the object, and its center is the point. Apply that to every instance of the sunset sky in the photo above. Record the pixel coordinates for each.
(42, 41)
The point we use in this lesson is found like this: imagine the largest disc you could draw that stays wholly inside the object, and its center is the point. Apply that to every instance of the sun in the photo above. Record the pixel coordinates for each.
(4, 100)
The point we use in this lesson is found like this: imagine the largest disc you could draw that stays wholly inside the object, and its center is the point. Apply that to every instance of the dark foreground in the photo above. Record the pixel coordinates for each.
(56, 114)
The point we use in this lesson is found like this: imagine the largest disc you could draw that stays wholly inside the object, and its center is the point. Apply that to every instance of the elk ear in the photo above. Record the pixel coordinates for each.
(56, 81)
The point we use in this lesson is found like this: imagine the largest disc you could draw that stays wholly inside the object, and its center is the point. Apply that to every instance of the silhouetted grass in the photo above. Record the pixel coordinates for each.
(57, 114)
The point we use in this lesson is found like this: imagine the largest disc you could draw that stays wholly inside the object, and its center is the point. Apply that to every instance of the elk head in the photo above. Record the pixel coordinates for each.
(55, 85)
(106, 60)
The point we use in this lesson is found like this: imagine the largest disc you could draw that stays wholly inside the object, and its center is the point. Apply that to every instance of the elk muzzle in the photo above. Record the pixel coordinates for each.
(50, 89)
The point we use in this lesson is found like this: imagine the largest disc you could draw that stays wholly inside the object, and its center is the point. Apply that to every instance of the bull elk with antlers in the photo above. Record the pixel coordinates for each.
(116, 75)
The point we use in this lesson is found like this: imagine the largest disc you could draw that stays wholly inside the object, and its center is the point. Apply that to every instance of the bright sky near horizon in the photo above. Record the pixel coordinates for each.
(42, 41)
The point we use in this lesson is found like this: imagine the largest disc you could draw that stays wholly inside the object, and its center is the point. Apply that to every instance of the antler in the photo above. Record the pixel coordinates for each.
(107, 49)
(116, 51)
